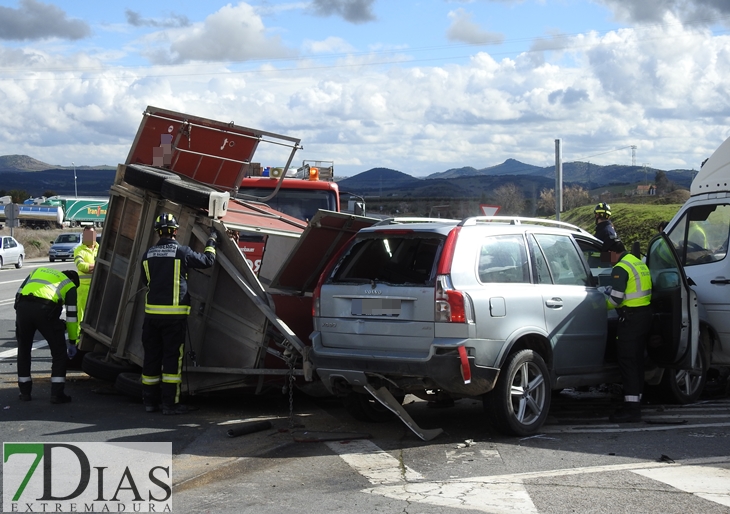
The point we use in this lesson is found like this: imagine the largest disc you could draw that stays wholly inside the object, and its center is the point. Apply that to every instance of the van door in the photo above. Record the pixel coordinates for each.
(706, 263)
(675, 334)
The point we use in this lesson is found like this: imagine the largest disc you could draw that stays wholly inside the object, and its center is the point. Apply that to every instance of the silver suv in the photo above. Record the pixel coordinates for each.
(506, 309)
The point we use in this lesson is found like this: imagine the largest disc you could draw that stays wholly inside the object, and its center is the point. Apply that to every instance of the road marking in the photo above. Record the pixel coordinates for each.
(507, 494)
(582, 429)
(11, 281)
(378, 466)
(7, 354)
(712, 484)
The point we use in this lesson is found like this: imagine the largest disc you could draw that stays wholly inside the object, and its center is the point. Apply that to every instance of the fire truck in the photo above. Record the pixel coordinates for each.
(299, 193)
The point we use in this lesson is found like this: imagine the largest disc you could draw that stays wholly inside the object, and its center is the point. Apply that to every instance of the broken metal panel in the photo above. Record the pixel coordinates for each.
(325, 235)
(209, 151)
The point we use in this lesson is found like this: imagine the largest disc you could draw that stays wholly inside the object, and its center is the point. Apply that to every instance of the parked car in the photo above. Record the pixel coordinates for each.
(12, 252)
(503, 309)
(63, 247)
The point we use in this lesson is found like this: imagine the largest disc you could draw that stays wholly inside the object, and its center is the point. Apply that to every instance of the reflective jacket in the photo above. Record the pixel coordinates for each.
(165, 271)
(49, 286)
(630, 283)
(83, 257)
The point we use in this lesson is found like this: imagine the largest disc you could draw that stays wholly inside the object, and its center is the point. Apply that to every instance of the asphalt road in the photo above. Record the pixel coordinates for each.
(676, 461)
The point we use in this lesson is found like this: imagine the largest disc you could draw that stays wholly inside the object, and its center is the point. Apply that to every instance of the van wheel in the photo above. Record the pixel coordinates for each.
(148, 178)
(364, 407)
(187, 193)
(685, 386)
(95, 365)
(129, 384)
(520, 402)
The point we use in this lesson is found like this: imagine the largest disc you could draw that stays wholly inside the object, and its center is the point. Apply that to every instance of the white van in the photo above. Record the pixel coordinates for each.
(700, 232)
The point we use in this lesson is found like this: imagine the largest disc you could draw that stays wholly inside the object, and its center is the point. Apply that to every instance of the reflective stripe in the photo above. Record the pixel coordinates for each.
(57, 380)
(147, 380)
(632, 398)
(167, 309)
(176, 284)
(171, 379)
(209, 249)
(23, 380)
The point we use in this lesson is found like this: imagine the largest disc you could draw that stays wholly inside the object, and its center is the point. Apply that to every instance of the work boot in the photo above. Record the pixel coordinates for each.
(629, 413)
(152, 407)
(178, 408)
(24, 397)
(60, 398)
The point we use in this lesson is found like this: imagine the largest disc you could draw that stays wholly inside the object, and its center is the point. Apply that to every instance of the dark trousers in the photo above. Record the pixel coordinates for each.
(43, 317)
(633, 330)
(163, 341)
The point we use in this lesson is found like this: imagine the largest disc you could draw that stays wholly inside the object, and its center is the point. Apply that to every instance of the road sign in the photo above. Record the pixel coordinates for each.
(489, 210)
(12, 210)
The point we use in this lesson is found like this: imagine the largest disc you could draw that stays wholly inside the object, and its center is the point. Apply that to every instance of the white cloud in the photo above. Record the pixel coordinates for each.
(234, 33)
(463, 29)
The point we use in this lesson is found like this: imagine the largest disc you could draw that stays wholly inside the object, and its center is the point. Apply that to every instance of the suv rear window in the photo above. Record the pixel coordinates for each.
(395, 259)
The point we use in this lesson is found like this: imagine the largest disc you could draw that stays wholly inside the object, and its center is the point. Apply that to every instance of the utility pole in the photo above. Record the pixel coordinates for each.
(558, 178)
(76, 190)
(646, 176)
(633, 155)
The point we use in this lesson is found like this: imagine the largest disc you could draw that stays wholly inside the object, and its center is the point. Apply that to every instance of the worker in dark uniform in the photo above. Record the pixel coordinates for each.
(604, 226)
(630, 295)
(38, 305)
(167, 305)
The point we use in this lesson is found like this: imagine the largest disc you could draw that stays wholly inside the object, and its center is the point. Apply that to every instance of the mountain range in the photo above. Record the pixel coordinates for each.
(36, 177)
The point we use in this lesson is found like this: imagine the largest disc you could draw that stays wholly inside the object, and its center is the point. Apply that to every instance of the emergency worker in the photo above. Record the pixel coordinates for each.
(38, 305)
(630, 295)
(84, 259)
(604, 226)
(167, 305)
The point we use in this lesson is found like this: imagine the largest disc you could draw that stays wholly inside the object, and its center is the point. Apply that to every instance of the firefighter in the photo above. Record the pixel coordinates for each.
(630, 295)
(604, 227)
(38, 305)
(167, 305)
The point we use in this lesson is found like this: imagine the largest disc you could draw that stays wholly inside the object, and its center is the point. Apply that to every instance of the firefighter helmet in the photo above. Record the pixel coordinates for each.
(166, 221)
(603, 210)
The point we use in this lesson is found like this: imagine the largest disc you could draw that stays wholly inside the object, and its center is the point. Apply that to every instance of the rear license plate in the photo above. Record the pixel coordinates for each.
(375, 307)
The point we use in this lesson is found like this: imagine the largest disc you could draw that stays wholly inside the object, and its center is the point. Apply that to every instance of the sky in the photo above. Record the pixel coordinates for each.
(419, 86)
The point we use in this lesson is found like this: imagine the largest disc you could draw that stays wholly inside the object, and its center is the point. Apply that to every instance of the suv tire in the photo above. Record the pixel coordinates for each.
(514, 413)
(683, 387)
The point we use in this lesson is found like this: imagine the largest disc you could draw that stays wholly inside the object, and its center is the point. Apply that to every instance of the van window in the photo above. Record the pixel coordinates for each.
(701, 235)
(392, 259)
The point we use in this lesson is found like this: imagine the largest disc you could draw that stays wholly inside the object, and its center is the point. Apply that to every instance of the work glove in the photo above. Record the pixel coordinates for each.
(213, 237)
(605, 290)
(71, 349)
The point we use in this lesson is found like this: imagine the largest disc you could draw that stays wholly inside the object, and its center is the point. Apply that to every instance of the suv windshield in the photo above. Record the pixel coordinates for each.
(395, 259)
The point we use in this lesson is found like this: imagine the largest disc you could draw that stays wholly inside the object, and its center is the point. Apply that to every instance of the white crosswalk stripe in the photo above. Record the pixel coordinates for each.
(507, 494)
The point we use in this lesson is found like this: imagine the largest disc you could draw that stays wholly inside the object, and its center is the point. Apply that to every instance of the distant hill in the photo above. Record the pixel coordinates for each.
(23, 163)
(89, 182)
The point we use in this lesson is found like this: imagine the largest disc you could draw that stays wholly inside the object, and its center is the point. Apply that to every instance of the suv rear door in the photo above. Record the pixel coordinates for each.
(381, 295)
(575, 311)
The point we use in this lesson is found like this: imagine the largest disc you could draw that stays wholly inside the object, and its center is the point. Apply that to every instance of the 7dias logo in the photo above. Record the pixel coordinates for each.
(87, 477)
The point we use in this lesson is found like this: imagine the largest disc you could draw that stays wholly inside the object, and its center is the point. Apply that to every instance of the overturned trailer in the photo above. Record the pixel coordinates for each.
(243, 333)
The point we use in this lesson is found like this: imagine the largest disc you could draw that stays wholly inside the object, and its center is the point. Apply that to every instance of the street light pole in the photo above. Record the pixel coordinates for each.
(76, 190)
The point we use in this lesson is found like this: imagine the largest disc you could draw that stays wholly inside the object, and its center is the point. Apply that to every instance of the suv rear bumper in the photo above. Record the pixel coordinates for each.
(441, 371)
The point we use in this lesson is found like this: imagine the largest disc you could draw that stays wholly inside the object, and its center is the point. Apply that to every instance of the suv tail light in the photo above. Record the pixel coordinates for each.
(450, 306)
(447, 253)
(325, 273)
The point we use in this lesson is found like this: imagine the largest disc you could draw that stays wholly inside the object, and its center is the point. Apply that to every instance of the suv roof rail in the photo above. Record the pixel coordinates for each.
(518, 220)
(398, 221)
